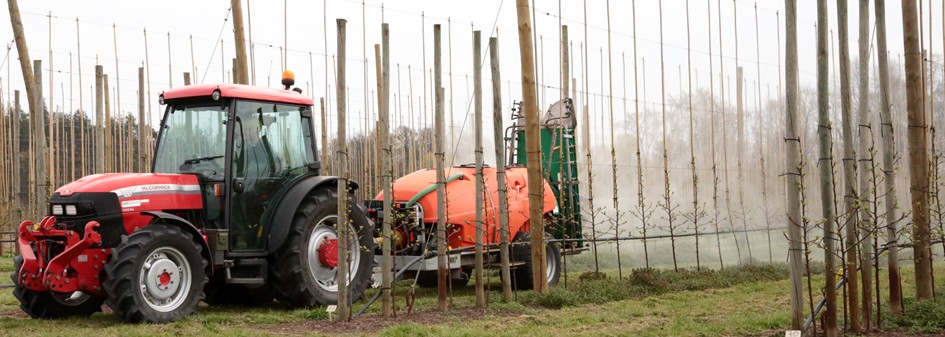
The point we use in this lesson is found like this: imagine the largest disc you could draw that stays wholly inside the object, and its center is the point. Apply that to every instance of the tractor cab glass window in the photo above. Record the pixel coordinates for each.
(272, 144)
(193, 140)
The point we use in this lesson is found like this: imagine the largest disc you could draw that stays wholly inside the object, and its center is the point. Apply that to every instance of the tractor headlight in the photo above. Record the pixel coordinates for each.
(71, 210)
(215, 95)
(57, 209)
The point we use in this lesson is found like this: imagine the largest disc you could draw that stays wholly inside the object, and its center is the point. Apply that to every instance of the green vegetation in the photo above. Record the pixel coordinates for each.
(597, 288)
(736, 301)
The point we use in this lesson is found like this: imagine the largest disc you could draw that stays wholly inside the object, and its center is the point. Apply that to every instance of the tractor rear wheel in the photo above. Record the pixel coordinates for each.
(155, 275)
(46, 304)
(522, 251)
(304, 271)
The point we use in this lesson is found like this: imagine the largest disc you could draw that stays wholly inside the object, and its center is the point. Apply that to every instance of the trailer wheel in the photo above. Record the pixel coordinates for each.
(522, 252)
(304, 270)
(50, 305)
(155, 275)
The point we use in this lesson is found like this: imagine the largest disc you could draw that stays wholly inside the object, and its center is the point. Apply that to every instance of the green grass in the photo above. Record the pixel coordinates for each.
(748, 301)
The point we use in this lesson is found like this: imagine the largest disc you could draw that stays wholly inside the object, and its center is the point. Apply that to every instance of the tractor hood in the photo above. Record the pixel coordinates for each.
(142, 191)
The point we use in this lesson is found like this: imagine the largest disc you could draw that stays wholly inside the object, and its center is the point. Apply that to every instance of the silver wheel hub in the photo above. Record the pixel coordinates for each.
(323, 233)
(165, 278)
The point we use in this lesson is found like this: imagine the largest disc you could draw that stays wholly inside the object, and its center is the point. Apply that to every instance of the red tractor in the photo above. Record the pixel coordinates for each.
(235, 209)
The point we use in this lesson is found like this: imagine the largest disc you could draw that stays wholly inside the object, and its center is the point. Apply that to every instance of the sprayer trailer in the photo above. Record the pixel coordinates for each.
(235, 209)
(415, 208)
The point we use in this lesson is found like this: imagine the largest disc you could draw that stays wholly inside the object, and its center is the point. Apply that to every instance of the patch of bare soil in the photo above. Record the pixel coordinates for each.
(372, 323)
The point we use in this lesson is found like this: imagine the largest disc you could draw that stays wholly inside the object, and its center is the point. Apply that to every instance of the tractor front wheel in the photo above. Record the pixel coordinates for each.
(304, 270)
(46, 304)
(155, 275)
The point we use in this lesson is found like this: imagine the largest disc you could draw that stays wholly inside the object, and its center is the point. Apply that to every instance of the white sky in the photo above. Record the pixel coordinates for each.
(204, 21)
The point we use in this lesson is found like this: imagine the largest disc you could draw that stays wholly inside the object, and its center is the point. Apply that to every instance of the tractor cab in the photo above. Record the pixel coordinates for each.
(244, 150)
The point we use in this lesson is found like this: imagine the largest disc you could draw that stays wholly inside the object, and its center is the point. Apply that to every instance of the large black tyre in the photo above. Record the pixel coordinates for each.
(49, 305)
(522, 252)
(427, 279)
(298, 275)
(167, 257)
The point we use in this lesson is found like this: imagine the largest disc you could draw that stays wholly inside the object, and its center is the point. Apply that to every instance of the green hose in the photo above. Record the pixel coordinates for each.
(431, 188)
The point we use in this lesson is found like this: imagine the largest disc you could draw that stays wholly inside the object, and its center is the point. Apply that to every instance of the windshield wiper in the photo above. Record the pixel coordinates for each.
(197, 160)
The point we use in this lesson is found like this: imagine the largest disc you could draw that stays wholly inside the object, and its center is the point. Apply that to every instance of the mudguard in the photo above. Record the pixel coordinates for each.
(190, 228)
(280, 218)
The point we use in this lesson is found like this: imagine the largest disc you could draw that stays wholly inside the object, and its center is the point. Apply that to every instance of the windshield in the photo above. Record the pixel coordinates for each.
(193, 141)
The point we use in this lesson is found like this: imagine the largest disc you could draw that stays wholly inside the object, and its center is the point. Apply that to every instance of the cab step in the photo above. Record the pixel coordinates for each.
(247, 271)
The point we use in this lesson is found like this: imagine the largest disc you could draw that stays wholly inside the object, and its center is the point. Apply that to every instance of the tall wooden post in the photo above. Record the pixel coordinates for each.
(23, 54)
(386, 171)
(792, 164)
(536, 187)
(826, 169)
(696, 212)
(326, 167)
(613, 150)
(867, 174)
(849, 170)
(342, 159)
(480, 198)
(107, 125)
(441, 245)
(99, 120)
(41, 192)
(142, 128)
(17, 176)
(500, 170)
(242, 70)
(917, 135)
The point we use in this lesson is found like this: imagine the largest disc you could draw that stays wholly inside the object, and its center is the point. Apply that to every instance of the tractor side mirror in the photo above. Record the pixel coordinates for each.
(239, 185)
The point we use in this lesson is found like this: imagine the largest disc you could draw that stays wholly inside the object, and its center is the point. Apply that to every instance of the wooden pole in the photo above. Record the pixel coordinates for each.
(242, 70)
(761, 136)
(866, 172)
(342, 159)
(19, 37)
(792, 164)
(107, 126)
(613, 150)
(99, 120)
(142, 128)
(500, 170)
(696, 213)
(480, 198)
(41, 191)
(72, 147)
(642, 210)
(147, 120)
(917, 135)
(826, 169)
(715, 172)
(667, 192)
(849, 167)
(441, 238)
(728, 198)
(326, 167)
(51, 124)
(83, 169)
(17, 160)
(536, 188)
(386, 171)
